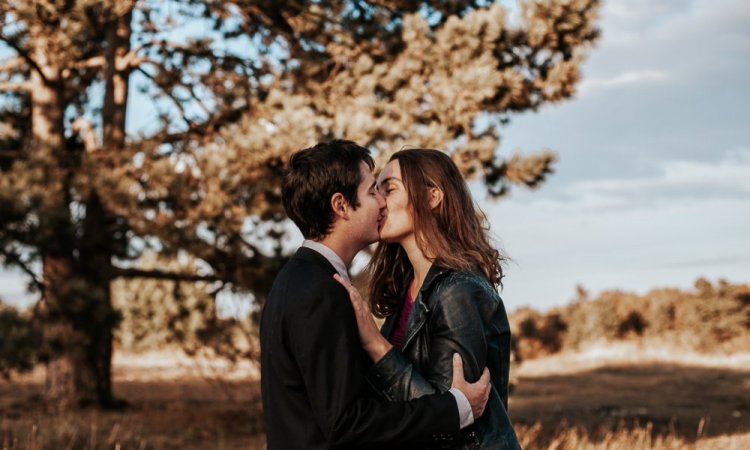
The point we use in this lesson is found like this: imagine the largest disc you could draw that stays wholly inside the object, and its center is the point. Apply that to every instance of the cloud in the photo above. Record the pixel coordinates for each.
(627, 78)
(653, 184)
(556, 245)
(704, 262)
(688, 40)
(675, 180)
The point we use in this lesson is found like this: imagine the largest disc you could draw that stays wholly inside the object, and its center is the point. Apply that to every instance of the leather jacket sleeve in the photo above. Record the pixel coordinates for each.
(455, 324)
(332, 373)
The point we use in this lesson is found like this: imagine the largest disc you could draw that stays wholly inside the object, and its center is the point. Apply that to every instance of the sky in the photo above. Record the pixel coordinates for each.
(652, 188)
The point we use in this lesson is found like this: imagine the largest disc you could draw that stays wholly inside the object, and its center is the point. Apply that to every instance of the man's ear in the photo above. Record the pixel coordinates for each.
(340, 206)
(436, 197)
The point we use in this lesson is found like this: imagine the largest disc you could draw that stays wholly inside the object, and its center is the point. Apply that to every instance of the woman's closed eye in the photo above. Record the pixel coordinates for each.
(384, 191)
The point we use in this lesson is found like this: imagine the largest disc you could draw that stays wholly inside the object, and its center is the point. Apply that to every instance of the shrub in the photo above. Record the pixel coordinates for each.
(710, 318)
(20, 341)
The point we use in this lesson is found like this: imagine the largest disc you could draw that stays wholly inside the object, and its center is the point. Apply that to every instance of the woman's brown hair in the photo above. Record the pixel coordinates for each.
(455, 234)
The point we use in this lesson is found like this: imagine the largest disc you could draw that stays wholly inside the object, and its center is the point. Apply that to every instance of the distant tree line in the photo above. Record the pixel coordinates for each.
(714, 317)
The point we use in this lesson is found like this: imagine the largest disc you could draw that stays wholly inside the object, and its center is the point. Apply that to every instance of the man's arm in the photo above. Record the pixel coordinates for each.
(458, 327)
(326, 346)
(471, 398)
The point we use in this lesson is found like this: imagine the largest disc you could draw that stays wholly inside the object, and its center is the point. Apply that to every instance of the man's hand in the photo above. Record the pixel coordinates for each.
(477, 393)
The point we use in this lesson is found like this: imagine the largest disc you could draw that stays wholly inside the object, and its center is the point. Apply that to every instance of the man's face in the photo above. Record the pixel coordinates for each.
(365, 220)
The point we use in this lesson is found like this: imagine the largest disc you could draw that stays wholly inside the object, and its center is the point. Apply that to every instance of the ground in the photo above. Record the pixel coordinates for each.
(613, 397)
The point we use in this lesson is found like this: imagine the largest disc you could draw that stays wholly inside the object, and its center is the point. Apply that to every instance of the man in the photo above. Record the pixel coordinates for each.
(312, 365)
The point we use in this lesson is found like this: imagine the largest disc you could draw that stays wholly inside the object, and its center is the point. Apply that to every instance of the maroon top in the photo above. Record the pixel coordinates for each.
(397, 338)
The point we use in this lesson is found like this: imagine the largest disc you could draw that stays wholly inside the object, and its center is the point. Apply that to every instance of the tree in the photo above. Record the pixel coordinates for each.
(20, 339)
(158, 313)
(239, 85)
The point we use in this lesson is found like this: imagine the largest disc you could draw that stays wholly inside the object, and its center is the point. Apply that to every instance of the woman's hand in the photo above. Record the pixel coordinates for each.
(372, 341)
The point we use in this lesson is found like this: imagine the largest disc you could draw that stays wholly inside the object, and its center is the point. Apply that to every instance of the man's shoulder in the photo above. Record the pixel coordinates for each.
(305, 275)
(303, 284)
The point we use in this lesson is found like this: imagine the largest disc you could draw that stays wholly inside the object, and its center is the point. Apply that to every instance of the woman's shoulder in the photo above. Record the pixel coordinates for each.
(465, 278)
(462, 286)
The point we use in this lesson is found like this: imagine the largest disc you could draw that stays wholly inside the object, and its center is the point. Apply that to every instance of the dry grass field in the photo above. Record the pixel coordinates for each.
(628, 396)
(618, 396)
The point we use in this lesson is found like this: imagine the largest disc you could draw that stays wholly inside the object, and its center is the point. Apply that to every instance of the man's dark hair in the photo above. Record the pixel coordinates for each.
(314, 175)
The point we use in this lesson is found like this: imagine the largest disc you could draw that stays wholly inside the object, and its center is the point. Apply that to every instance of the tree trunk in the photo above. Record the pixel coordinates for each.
(80, 373)
(77, 312)
(116, 82)
(96, 268)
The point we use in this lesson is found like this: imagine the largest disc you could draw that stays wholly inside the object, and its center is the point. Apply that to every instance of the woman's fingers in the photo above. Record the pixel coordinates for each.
(368, 330)
(361, 308)
(348, 286)
(351, 290)
(354, 295)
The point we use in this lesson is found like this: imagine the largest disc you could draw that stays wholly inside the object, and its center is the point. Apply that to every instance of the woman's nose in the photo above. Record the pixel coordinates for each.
(381, 199)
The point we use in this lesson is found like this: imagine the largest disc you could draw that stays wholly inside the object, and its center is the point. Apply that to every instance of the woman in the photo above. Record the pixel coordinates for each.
(433, 278)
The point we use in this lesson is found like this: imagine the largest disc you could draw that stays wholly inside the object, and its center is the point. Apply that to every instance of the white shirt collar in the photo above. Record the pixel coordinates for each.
(330, 255)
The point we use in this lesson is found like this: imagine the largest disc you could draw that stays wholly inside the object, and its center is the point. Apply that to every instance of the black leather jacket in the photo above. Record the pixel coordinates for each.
(453, 312)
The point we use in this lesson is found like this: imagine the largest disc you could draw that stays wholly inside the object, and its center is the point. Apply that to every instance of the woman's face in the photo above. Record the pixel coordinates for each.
(399, 222)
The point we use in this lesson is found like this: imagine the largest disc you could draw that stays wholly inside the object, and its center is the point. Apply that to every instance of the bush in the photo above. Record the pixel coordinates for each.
(20, 341)
(634, 322)
(713, 317)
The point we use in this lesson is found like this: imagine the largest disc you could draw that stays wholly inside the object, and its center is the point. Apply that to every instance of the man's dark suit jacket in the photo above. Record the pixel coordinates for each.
(313, 371)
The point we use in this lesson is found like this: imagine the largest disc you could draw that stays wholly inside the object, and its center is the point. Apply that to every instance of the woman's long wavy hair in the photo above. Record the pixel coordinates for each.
(454, 235)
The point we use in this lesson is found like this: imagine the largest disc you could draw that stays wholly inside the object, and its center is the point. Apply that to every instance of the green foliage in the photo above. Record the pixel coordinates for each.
(165, 313)
(20, 341)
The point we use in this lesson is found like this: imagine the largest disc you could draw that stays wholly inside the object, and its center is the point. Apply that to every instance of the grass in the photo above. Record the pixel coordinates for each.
(625, 438)
(611, 397)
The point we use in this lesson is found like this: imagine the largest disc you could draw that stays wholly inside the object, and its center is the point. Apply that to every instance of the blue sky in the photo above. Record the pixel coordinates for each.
(653, 184)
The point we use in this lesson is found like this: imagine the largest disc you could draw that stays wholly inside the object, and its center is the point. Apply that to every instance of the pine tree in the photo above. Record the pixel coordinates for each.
(239, 86)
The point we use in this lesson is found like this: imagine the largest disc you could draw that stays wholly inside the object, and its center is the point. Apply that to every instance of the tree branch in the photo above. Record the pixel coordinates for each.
(177, 103)
(85, 129)
(12, 258)
(93, 62)
(11, 63)
(202, 129)
(25, 55)
(10, 154)
(15, 86)
(162, 275)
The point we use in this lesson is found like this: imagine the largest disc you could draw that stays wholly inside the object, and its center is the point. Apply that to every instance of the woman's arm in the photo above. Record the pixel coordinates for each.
(395, 377)
(456, 326)
(373, 342)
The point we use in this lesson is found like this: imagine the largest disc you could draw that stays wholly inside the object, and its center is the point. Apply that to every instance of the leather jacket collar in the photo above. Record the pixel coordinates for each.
(422, 305)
